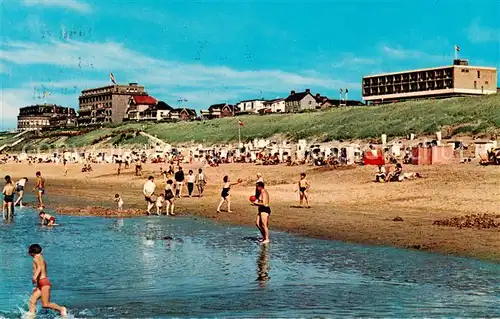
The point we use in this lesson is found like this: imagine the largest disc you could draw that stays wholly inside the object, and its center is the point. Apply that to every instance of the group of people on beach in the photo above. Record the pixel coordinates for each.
(10, 189)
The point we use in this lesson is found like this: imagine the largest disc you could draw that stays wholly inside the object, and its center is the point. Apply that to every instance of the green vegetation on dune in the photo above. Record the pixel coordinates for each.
(472, 114)
(469, 115)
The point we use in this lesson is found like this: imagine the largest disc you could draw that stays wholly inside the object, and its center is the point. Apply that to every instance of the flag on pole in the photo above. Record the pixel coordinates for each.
(112, 78)
(240, 123)
(346, 90)
(457, 48)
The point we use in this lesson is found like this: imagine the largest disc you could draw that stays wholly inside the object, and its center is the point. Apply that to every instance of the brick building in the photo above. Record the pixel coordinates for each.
(455, 80)
(45, 117)
(107, 104)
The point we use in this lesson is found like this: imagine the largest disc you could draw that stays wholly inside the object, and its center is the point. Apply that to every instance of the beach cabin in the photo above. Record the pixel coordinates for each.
(483, 147)
(432, 155)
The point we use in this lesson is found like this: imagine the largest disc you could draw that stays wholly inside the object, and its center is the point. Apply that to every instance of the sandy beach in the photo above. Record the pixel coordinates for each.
(346, 204)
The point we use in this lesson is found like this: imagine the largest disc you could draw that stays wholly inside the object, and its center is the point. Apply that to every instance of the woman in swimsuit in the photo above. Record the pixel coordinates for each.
(169, 196)
(225, 193)
(303, 189)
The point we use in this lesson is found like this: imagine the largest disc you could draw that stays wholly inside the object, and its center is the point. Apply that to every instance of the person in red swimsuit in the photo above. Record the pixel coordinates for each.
(43, 285)
(47, 219)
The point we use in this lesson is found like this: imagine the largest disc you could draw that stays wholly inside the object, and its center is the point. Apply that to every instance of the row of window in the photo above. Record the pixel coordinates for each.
(33, 122)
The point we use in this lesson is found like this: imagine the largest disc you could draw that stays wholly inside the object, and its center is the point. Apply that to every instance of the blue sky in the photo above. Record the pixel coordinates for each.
(224, 51)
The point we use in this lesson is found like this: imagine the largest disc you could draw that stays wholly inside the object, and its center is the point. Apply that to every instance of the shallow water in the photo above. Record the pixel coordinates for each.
(123, 268)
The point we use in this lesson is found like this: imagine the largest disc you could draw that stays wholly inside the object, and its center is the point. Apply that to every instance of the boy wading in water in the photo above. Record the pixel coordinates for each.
(303, 190)
(20, 191)
(262, 221)
(40, 188)
(42, 290)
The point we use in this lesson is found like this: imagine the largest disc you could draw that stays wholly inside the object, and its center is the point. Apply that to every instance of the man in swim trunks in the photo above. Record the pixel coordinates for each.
(264, 211)
(40, 188)
(148, 191)
(47, 219)
(8, 197)
(43, 284)
(303, 189)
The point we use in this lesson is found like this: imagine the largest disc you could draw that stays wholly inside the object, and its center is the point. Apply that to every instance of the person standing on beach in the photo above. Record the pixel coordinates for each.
(65, 164)
(225, 197)
(190, 179)
(40, 188)
(119, 201)
(264, 211)
(200, 181)
(169, 196)
(303, 190)
(179, 179)
(43, 285)
(8, 198)
(259, 180)
(148, 191)
(20, 191)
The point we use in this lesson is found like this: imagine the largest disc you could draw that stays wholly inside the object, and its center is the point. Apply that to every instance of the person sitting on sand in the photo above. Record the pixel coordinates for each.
(119, 201)
(8, 197)
(20, 191)
(169, 196)
(148, 191)
(47, 219)
(225, 197)
(381, 175)
(303, 190)
(159, 203)
(42, 282)
(397, 175)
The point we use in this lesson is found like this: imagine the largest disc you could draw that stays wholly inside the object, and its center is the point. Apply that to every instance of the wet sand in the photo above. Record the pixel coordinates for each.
(346, 204)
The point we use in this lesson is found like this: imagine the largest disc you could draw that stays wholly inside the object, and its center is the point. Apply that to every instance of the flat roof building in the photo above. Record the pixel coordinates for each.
(44, 117)
(455, 80)
(107, 104)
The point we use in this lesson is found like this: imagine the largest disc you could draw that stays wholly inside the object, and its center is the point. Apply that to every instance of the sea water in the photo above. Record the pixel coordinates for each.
(183, 267)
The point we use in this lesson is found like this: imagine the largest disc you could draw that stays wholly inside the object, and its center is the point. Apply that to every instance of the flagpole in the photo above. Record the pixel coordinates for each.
(239, 136)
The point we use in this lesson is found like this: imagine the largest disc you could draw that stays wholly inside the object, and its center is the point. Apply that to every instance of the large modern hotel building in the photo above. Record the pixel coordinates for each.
(455, 80)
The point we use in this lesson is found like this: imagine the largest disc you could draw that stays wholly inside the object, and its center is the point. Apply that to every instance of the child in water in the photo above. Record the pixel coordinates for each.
(119, 201)
(42, 290)
(47, 219)
(159, 204)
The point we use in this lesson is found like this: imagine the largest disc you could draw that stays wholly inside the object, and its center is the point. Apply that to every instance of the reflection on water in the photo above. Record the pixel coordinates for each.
(263, 266)
(160, 267)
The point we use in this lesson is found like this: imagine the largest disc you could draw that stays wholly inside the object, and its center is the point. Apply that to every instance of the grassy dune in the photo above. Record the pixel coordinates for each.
(470, 115)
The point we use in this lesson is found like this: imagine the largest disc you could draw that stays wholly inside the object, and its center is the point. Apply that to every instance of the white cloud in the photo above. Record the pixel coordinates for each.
(10, 101)
(68, 4)
(162, 75)
(352, 61)
(477, 33)
(406, 54)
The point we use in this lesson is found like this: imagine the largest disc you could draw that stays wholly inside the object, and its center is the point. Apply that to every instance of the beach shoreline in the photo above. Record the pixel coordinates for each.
(346, 204)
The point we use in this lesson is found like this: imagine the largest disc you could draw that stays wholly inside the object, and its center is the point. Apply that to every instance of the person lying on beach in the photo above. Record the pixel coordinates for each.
(303, 190)
(43, 285)
(20, 191)
(8, 197)
(119, 201)
(159, 203)
(225, 197)
(47, 219)
(169, 196)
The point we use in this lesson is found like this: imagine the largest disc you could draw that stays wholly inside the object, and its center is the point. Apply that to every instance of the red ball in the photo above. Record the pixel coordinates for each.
(252, 198)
